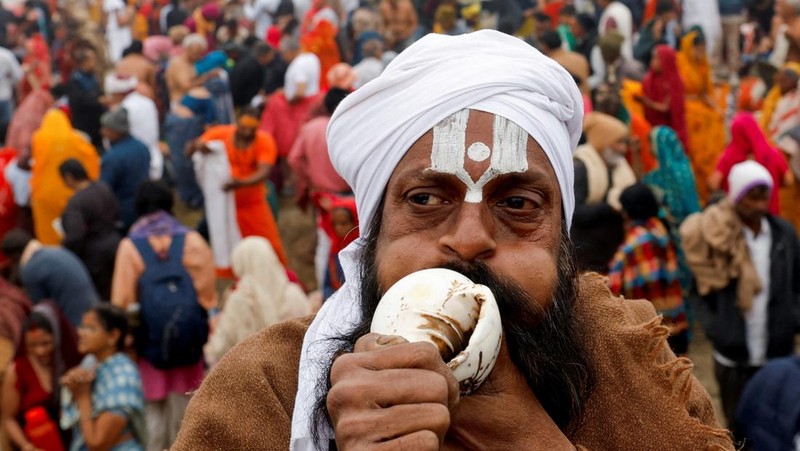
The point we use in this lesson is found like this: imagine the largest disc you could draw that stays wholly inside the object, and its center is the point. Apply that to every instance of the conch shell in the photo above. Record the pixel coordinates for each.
(446, 309)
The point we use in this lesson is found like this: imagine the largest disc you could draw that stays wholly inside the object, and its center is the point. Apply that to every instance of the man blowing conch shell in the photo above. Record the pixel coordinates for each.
(460, 157)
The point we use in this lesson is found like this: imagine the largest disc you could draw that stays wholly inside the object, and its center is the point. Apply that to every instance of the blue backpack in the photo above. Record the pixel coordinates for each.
(174, 326)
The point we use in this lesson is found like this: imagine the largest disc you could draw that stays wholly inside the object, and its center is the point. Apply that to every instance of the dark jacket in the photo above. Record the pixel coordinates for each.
(724, 323)
(84, 91)
(597, 229)
(124, 167)
(90, 224)
(769, 412)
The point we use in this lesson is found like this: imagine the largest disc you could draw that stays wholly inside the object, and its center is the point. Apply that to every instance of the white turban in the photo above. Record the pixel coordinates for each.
(373, 128)
(118, 84)
(746, 176)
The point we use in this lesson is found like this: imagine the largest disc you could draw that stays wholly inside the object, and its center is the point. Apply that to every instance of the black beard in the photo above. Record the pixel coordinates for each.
(544, 344)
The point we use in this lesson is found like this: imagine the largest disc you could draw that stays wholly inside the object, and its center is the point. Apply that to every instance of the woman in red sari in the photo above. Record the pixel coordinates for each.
(664, 97)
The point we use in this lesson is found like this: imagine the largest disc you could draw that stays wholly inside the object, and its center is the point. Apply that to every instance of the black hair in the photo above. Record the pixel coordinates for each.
(15, 241)
(262, 49)
(551, 39)
(333, 98)
(74, 169)
(586, 21)
(82, 54)
(568, 10)
(639, 202)
(152, 196)
(112, 318)
(251, 111)
(38, 320)
(665, 6)
(135, 48)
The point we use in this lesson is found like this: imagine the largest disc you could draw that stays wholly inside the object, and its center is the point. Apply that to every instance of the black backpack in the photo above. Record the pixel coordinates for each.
(174, 326)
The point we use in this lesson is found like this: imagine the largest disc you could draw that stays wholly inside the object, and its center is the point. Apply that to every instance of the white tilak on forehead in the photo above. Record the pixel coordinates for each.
(449, 152)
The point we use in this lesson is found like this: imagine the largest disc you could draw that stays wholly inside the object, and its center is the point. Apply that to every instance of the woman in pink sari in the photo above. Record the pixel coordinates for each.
(748, 140)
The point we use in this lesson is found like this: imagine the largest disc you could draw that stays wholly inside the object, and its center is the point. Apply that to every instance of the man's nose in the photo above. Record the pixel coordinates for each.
(471, 235)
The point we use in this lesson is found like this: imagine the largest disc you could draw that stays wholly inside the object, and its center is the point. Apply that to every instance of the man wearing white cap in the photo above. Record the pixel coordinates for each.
(746, 264)
(473, 172)
(142, 116)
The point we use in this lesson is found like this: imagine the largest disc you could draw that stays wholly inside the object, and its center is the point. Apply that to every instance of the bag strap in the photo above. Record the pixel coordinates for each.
(146, 251)
(149, 256)
(176, 248)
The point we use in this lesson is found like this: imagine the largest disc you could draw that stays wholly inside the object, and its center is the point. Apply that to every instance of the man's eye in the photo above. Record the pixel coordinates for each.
(425, 199)
(517, 203)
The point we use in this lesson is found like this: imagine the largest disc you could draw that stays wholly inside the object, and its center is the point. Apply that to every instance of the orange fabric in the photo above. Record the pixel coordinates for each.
(253, 214)
(649, 11)
(321, 41)
(641, 129)
(52, 144)
(704, 124)
(746, 100)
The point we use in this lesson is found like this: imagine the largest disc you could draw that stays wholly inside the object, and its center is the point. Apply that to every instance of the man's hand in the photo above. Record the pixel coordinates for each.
(391, 394)
(232, 185)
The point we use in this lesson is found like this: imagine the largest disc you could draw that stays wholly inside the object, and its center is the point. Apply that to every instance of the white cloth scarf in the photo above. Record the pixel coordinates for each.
(373, 128)
(212, 170)
(263, 297)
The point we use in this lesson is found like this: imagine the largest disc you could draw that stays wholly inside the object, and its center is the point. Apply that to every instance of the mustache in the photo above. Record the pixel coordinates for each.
(512, 300)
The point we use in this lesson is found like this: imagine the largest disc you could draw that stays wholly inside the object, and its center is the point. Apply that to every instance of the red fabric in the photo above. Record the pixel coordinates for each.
(31, 393)
(326, 203)
(8, 208)
(748, 139)
(38, 59)
(553, 9)
(282, 119)
(274, 35)
(665, 85)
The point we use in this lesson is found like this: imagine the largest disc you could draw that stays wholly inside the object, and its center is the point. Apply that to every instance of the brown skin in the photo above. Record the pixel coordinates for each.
(342, 222)
(753, 207)
(405, 397)
(40, 349)
(107, 429)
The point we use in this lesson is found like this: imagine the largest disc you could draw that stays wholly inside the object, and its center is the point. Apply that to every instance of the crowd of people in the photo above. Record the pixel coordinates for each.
(114, 307)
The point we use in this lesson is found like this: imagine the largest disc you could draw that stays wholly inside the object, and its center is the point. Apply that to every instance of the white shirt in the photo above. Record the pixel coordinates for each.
(261, 12)
(118, 38)
(305, 69)
(756, 319)
(10, 74)
(143, 119)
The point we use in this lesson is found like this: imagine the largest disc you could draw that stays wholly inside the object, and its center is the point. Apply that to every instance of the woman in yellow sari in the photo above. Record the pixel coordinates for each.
(53, 143)
(704, 121)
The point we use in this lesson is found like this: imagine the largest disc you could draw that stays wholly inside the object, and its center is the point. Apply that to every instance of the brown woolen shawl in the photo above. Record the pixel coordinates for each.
(645, 398)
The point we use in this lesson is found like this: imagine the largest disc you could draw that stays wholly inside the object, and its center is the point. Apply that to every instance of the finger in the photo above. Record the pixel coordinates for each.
(422, 356)
(420, 440)
(372, 341)
(388, 425)
(392, 387)
(406, 355)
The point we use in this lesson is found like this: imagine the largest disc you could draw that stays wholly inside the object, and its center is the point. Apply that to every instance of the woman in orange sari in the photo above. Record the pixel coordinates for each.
(704, 122)
(52, 144)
